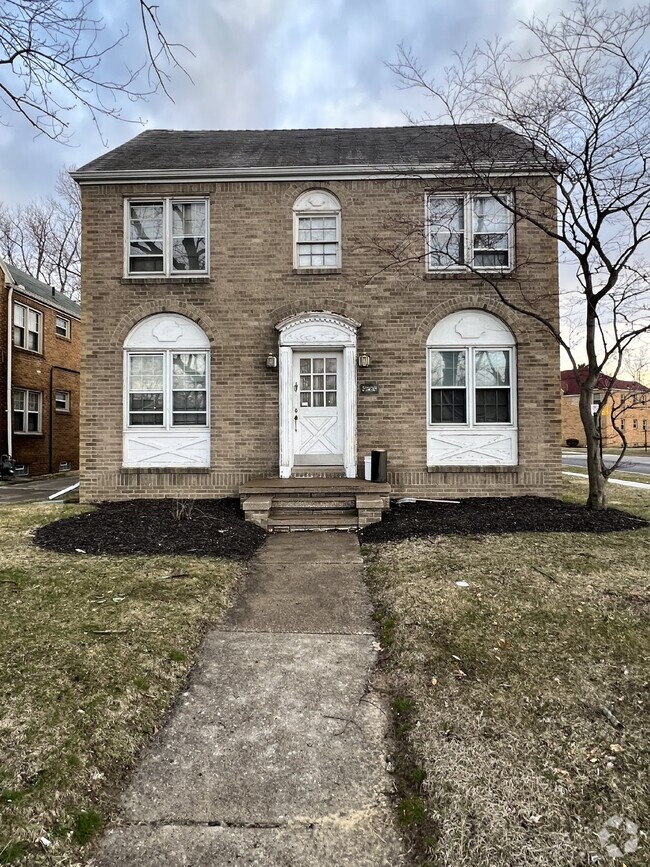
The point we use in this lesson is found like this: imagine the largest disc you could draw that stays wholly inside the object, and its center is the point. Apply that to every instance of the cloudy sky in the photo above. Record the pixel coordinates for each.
(264, 64)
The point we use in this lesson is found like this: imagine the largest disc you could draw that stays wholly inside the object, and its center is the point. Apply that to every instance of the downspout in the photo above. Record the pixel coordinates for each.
(52, 406)
(10, 346)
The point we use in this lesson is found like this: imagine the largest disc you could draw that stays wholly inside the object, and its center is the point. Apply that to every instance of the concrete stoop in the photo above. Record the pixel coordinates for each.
(313, 503)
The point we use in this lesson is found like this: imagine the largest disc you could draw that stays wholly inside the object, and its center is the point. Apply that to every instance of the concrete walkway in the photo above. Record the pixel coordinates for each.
(275, 755)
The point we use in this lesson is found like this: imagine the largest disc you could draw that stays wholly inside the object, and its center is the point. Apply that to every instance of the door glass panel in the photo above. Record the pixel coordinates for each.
(305, 365)
(330, 382)
(319, 365)
(305, 398)
(330, 365)
(331, 398)
(318, 398)
(305, 383)
(319, 383)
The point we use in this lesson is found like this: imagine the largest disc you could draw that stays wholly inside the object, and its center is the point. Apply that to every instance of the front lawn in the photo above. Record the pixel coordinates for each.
(94, 650)
(518, 670)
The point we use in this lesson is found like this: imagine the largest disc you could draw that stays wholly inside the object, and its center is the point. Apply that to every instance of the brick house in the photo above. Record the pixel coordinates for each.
(240, 322)
(628, 400)
(39, 374)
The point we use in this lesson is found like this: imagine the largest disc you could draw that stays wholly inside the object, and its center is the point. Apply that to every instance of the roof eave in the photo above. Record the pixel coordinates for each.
(279, 173)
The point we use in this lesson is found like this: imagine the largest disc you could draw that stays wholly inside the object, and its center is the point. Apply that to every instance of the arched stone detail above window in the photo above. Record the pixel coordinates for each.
(165, 330)
(318, 329)
(317, 200)
(470, 328)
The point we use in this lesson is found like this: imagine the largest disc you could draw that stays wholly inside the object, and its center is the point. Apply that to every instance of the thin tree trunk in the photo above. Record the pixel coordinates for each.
(597, 498)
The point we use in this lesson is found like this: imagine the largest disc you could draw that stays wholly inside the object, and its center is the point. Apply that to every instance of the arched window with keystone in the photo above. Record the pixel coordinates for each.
(316, 230)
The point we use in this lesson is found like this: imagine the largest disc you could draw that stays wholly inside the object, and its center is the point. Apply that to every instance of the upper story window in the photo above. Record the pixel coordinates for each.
(168, 236)
(317, 230)
(62, 401)
(28, 328)
(469, 231)
(62, 327)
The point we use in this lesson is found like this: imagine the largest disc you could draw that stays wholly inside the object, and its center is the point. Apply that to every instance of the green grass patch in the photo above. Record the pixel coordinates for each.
(502, 686)
(87, 643)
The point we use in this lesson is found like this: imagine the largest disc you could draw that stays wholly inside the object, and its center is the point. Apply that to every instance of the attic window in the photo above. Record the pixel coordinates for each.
(317, 230)
(167, 236)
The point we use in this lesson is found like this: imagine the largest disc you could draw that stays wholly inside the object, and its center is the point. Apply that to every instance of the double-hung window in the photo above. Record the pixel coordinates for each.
(317, 230)
(62, 401)
(62, 327)
(470, 386)
(28, 328)
(27, 411)
(469, 231)
(167, 389)
(168, 236)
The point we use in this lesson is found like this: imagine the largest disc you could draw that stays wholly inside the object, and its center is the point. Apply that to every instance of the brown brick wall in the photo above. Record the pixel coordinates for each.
(34, 371)
(253, 286)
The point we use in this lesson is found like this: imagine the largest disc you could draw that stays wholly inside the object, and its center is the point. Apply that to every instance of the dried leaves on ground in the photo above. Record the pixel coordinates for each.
(200, 528)
(94, 650)
(519, 668)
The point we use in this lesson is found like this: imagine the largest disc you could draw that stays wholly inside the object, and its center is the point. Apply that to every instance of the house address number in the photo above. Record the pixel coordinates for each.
(369, 388)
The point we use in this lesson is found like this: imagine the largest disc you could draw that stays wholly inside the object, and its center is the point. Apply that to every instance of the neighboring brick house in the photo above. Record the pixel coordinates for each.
(628, 400)
(39, 374)
(239, 322)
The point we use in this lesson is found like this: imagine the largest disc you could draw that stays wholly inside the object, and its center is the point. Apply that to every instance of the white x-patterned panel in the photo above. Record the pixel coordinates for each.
(472, 448)
(167, 449)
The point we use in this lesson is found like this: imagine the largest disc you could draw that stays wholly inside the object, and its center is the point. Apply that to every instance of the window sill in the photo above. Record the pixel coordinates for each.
(465, 274)
(473, 468)
(151, 471)
(163, 280)
(28, 433)
(63, 337)
(304, 271)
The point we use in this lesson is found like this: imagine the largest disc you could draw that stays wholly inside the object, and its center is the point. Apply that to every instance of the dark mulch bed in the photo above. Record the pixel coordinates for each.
(476, 516)
(202, 528)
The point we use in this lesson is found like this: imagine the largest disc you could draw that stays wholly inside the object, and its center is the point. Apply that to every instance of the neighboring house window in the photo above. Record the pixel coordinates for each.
(644, 424)
(622, 424)
(317, 230)
(27, 411)
(635, 423)
(62, 401)
(168, 389)
(469, 230)
(27, 328)
(167, 236)
(62, 327)
(471, 412)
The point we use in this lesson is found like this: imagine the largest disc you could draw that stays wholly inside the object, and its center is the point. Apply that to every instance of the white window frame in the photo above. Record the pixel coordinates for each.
(65, 400)
(315, 204)
(471, 388)
(168, 396)
(167, 240)
(468, 247)
(39, 319)
(65, 327)
(26, 392)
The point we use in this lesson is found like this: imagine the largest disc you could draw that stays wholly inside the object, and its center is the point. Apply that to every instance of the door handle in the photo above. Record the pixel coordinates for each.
(295, 420)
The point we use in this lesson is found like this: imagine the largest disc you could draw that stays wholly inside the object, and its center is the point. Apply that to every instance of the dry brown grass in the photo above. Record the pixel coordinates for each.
(94, 650)
(504, 681)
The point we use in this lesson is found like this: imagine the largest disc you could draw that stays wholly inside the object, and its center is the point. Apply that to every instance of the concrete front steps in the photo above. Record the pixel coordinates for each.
(331, 503)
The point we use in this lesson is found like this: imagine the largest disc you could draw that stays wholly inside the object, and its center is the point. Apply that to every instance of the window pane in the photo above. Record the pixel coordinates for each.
(490, 216)
(447, 368)
(146, 221)
(331, 398)
(330, 382)
(19, 421)
(33, 401)
(33, 320)
(319, 398)
(141, 265)
(19, 400)
(145, 418)
(188, 370)
(19, 336)
(19, 315)
(492, 367)
(188, 218)
(189, 254)
(146, 402)
(305, 365)
(193, 401)
(491, 259)
(448, 405)
(492, 405)
(319, 366)
(32, 341)
(305, 398)
(189, 418)
(32, 422)
(330, 365)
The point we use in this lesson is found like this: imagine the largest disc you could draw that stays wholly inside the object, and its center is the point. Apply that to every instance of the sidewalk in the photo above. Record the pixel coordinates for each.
(275, 755)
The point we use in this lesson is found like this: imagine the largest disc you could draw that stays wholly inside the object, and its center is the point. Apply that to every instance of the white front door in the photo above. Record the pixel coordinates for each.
(317, 408)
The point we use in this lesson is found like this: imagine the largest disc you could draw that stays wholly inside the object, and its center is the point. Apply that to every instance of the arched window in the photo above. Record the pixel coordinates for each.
(316, 230)
(166, 393)
(471, 388)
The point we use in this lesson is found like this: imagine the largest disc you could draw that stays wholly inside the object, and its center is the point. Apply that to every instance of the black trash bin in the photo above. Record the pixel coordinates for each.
(378, 465)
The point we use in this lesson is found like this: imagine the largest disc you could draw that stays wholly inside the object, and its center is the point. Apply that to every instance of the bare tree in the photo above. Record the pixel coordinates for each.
(43, 237)
(577, 91)
(54, 56)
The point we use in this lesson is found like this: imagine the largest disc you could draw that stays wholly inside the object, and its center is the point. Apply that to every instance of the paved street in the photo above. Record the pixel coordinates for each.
(632, 464)
(32, 492)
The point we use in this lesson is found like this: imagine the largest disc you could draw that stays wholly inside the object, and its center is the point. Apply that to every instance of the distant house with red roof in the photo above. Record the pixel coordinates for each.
(628, 401)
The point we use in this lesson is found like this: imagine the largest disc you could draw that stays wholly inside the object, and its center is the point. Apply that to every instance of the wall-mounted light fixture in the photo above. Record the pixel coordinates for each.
(271, 361)
(363, 360)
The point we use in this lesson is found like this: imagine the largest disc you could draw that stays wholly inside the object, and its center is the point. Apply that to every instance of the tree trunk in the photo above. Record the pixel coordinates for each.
(597, 498)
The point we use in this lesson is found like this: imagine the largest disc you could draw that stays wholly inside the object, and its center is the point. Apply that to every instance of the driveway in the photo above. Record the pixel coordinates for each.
(25, 491)
(633, 464)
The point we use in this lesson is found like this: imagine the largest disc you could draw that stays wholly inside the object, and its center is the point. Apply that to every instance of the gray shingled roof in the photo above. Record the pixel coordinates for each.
(202, 150)
(42, 292)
